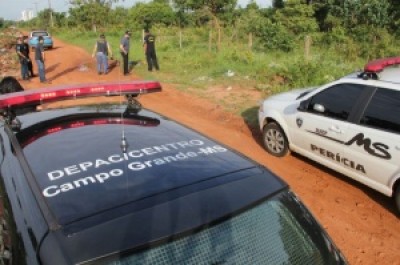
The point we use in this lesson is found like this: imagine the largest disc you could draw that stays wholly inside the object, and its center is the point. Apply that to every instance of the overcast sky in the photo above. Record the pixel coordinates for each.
(11, 9)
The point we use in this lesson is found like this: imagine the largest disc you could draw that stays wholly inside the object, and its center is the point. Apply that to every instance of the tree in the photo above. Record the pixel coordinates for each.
(297, 17)
(118, 17)
(85, 2)
(354, 13)
(394, 11)
(252, 5)
(43, 18)
(216, 7)
(157, 12)
(278, 4)
(90, 13)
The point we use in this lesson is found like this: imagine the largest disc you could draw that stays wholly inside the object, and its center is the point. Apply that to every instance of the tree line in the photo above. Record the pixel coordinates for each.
(371, 22)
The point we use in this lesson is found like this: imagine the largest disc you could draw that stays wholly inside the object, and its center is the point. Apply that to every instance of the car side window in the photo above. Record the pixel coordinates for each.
(336, 101)
(383, 111)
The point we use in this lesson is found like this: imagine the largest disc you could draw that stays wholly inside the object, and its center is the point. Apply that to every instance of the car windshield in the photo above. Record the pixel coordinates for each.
(39, 33)
(277, 231)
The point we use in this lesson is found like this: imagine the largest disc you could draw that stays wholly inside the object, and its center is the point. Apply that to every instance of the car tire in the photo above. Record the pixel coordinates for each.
(275, 140)
(396, 197)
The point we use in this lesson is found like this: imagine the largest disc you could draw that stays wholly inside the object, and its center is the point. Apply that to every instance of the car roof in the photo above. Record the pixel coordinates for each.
(388, 77)
(82, 153)
(390, 74)
(39, 30)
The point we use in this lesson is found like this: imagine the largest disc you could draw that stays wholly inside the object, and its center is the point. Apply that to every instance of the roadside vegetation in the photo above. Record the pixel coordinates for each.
(203, 44)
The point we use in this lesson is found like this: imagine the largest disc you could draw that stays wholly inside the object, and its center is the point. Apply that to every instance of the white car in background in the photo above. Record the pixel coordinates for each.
(351, 125)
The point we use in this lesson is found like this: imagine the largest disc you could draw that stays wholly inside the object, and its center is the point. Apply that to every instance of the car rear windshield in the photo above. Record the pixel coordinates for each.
(39, 33)
(277, 231)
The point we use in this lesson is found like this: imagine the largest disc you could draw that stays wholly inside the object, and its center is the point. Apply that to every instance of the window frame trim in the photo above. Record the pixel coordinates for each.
(362, 111)
(359, 105)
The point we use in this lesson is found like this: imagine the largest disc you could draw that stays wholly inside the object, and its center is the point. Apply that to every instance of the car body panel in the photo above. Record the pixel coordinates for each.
(111, 174)
(47, 39)
(326, 140)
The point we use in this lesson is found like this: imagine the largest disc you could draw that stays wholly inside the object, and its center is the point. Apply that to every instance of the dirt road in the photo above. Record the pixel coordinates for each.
(362, 222)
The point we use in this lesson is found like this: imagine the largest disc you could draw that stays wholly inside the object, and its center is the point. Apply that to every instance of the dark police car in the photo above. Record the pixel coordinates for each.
(113, 184)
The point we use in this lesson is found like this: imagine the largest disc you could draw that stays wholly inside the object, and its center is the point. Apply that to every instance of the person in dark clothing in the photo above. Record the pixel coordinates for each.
(10, 85)
(102, 50)
(30, 66)
(39, 58)
(124, 49)
(23, 58)
(150, 51)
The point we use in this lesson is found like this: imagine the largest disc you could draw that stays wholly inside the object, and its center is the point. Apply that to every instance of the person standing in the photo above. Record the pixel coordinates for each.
(23, 59)
(150, 51)
(102, 50)
(124, 49)
(30, 66)
(40, 58)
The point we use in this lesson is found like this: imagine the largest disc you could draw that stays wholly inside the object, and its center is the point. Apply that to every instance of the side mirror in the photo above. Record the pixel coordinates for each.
(319, 108)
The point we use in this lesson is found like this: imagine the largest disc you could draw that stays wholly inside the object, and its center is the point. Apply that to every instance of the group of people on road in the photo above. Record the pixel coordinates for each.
(102, 50)
(22, 49)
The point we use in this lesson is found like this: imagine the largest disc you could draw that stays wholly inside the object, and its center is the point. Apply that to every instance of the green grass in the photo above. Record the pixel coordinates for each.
(197, 68)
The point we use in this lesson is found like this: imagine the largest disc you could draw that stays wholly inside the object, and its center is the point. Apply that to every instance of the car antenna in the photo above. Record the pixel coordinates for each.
(124, 143)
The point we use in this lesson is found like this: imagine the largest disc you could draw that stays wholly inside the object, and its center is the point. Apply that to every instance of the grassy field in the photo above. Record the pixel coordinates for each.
(196, 69)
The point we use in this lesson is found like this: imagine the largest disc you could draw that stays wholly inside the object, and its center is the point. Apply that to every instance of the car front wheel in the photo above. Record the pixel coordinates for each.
(275, 140)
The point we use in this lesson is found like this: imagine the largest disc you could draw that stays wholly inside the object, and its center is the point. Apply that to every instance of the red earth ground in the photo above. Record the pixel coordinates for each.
(363, 223)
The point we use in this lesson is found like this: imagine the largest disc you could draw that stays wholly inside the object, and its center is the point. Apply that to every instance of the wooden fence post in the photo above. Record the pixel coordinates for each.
(250, 40)
(180, 38)
(307, 47)
(210, 40)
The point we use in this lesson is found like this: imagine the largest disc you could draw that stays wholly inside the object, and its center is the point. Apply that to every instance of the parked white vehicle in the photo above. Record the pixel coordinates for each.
(351, 125)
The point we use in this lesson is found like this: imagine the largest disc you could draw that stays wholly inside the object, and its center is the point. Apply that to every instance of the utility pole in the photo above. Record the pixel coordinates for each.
(36, 9)
(51, 15)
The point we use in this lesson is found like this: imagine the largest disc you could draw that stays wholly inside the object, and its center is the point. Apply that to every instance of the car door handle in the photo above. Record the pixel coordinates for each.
(335, 129)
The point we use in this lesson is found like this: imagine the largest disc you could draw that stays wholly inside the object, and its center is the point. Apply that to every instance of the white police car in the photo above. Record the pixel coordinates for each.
(351, 125)
(115, 184)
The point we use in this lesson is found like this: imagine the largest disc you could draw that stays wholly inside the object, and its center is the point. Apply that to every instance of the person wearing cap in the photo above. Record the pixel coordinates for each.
(150, 51)
(40, 58)
(102, 50)
(23, 58)
(124, 49)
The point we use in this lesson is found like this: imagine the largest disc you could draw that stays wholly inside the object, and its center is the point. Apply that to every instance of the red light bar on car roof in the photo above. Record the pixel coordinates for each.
(380, 64)
(39, 96)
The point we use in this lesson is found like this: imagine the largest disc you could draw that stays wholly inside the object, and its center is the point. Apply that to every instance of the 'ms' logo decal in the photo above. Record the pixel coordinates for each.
(377, 149)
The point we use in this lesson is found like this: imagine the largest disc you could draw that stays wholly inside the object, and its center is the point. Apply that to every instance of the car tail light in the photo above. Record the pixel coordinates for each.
(39, 96)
